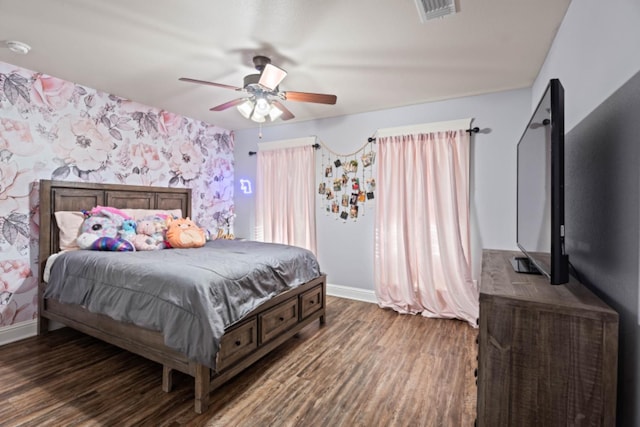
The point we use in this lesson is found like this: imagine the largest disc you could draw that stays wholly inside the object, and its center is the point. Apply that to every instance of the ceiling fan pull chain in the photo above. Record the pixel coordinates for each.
(260, 132)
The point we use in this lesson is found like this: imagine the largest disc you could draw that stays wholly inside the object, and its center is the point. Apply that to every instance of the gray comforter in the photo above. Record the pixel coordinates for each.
(190, 295)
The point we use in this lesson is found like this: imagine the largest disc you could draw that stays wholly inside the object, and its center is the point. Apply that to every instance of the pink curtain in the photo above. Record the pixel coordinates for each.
(285, 197)
(422, 239)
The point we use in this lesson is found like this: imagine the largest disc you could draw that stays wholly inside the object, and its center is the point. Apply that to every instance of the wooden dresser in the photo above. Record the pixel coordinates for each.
(547, 354)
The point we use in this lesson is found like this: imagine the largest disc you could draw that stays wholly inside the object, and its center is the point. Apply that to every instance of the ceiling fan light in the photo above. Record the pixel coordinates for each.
(272, 76)
(275, 113)
(257, 117)
(246, 108)
(262, 107)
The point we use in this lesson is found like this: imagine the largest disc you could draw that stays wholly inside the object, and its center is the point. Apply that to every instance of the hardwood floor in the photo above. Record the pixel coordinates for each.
(365, 367)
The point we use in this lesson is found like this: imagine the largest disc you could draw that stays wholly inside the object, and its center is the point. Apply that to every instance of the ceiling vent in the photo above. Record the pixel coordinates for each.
(430, 9)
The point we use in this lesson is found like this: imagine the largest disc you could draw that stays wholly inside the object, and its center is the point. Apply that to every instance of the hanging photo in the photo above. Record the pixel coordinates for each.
(368, 159)
(355, 184)
(351, 166)
(371, 184)
(338, 176)
(328, 172)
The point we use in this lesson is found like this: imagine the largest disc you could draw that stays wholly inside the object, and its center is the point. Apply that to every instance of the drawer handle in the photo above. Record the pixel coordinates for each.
(311, 302)
(281, 319)
(238, 342)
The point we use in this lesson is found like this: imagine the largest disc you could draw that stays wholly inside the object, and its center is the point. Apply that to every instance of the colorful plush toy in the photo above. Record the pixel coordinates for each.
(99, 232)
(114, 213)
(128, 229)
(150, 233)
(184, 233)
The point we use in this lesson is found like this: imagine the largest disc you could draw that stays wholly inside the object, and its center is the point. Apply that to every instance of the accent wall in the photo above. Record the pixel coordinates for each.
(55, 129)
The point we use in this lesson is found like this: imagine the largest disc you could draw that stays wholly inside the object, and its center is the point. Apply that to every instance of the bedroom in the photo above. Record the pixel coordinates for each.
(580, 57)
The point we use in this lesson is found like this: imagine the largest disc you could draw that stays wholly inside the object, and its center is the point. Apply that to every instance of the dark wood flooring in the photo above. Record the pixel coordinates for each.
(365, 367)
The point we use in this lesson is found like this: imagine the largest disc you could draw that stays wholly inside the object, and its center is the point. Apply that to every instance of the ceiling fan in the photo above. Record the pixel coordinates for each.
(262, 98)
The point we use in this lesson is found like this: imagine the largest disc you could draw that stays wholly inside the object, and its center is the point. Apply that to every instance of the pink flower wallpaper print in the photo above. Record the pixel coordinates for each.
(54, 129)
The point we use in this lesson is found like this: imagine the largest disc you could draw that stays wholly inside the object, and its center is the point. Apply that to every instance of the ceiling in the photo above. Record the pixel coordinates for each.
(372, 54)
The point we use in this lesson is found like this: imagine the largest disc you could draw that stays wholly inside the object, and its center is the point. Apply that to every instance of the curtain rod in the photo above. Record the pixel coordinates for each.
(472, 130)
(316, 146)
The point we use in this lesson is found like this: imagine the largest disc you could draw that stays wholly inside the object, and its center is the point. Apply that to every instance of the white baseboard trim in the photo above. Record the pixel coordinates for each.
(18, 331)
(357, 294)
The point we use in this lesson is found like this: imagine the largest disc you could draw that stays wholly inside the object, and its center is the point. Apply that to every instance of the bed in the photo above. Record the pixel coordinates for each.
(242, 343)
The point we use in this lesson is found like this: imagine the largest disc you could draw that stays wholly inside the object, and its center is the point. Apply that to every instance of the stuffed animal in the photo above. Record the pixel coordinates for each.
(114, 213)
(184, 233)
(128, 229)
(222, 235)
(112, 244)
(100, 225)
(99, 232)
(150, 233)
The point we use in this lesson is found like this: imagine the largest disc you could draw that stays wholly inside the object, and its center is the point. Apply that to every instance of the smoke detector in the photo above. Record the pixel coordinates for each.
(431, 9)
(17, 47)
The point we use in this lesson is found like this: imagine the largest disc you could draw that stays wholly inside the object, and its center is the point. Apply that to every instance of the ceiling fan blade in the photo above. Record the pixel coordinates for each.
(319, 98)
(286, 114)
(272, 76)
(228, 104)
(203, 82)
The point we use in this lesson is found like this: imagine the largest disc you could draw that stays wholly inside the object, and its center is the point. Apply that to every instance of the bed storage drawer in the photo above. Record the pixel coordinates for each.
(278, 319)
(310, 302)
(238, 342)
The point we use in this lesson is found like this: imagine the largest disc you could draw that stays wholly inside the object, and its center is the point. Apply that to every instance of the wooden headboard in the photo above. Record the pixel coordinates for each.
(75, 196)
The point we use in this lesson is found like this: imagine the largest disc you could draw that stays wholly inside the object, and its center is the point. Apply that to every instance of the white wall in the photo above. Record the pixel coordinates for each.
(595, 51)
(345, 250)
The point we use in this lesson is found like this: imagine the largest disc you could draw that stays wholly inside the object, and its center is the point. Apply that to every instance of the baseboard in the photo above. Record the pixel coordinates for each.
(18, 331)
(351, 293)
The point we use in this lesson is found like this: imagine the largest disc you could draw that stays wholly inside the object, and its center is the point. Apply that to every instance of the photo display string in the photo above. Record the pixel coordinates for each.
(346, 181)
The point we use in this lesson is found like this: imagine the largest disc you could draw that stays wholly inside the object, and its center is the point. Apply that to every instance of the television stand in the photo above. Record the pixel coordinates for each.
(522, 264)
(547, 355)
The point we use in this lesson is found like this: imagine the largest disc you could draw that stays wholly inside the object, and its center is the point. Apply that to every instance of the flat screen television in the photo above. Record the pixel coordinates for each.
(540, 184)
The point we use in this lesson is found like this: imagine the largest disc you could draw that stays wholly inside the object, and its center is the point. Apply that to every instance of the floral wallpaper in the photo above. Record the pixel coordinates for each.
(55, 129)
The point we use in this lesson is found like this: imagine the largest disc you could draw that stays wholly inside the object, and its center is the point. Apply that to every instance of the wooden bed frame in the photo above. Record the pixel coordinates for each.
(261, 331)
